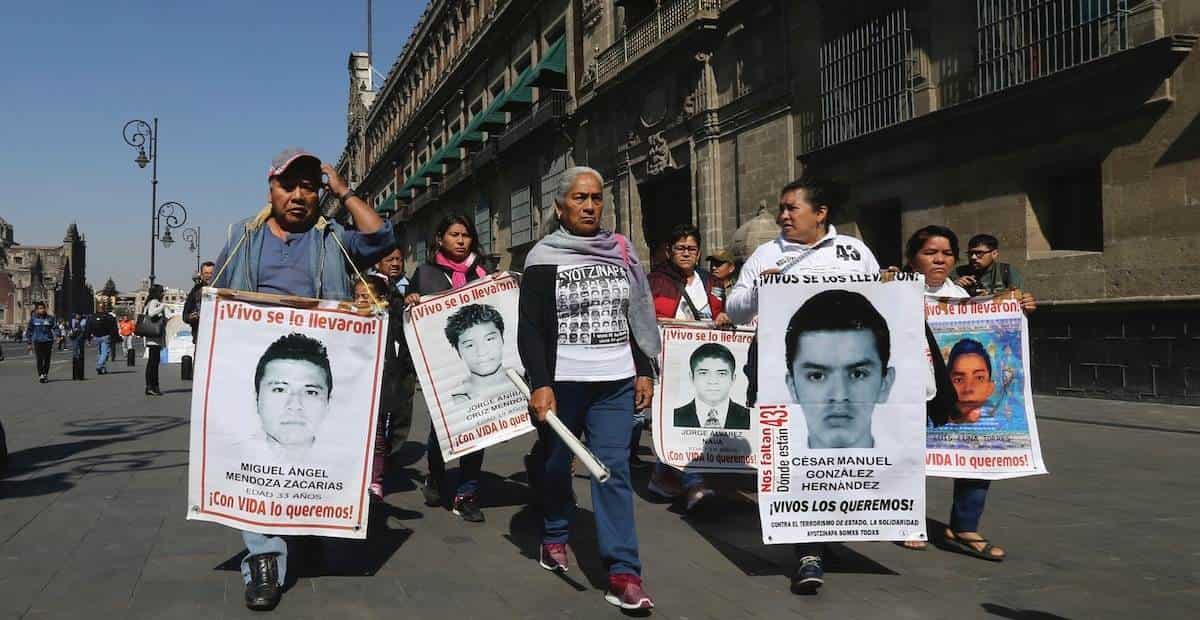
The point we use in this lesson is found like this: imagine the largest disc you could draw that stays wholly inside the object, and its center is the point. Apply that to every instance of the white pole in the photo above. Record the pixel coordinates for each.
(597, 469)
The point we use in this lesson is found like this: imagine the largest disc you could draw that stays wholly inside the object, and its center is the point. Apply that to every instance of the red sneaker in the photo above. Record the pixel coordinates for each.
(625, 591)
(554, 557)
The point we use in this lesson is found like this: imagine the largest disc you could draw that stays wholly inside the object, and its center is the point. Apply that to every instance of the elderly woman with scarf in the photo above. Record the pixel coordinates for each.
(588, 339)
(454, 263)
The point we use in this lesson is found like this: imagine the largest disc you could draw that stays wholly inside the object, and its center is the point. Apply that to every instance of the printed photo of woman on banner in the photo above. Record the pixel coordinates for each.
(463, 342)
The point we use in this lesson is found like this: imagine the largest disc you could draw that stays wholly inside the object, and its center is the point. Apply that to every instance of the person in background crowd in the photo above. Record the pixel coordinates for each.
(62, 334)
(680, 293)
(454, 263)
(191, 307)
(289, 249)
(40, 334)
(155, 308)
(932, 251)
(399, 375)
(125, 328)
(105, 332)
(366, 293)
(77, 332)
(594, 381)
(985, 274)
(721, 276)
(807, 242)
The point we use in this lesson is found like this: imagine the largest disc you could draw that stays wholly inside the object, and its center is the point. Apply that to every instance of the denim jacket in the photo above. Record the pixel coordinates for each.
(327, 268)
(41, 329)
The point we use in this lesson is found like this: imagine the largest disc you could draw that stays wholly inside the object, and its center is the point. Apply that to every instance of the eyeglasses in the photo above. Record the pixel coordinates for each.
(979, 252)
(685, 249)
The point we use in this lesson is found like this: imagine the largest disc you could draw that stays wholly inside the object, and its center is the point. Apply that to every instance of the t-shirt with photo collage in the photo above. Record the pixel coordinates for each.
(592, 303)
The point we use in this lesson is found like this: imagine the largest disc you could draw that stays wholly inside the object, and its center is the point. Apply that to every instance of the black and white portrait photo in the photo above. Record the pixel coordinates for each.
(476, 332)
(293, 383)
(713, 369)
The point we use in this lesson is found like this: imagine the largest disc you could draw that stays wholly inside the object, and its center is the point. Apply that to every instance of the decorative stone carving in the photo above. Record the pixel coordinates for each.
(659, 158)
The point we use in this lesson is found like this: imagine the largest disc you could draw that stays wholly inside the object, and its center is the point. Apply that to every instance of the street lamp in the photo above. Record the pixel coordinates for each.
(169, 215)
(139, 134)
(192, 236)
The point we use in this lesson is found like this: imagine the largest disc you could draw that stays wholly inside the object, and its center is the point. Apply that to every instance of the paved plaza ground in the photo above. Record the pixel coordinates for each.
(92, 526)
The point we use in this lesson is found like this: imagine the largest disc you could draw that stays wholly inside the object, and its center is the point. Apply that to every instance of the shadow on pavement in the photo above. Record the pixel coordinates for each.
(1019, 614)
(98, 433)
(525, 533)
(317, 556)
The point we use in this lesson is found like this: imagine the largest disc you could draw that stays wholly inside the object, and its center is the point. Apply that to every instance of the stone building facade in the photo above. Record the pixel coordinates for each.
(54, 274)
(1066, 128)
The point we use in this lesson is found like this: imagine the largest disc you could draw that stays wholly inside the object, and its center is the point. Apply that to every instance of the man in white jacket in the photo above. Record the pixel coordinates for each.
(807, 243)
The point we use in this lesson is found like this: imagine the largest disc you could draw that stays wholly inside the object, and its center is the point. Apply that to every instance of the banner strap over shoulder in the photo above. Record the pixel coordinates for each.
(229, 258)
(374, 301)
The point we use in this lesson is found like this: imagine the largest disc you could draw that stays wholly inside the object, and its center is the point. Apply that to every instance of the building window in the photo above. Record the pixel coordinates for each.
(483, 224)
(521, 221)
(1069, 209)
(419, 251)
(550, 181)
(865, 79)
(879, 227)
(1022, 40)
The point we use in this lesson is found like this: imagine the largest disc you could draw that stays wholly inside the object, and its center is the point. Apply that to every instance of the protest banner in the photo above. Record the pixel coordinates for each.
(283, 414)
(985, 342)
(700, 419)
(841, 408)
(462, 343)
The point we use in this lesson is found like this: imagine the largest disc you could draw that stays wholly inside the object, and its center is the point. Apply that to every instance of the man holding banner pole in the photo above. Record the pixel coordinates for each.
(289, 249)
(807, 242)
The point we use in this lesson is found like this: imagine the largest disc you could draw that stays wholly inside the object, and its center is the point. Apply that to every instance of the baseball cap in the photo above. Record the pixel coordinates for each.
(295, 156)
(721, 255)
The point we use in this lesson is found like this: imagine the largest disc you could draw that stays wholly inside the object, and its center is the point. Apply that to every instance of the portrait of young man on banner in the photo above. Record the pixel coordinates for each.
(462, 344)
(841, 409)
(703, 423)
(284, 411)
(994, 432)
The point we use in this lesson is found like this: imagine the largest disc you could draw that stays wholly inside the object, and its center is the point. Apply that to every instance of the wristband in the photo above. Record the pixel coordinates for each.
(348, 193)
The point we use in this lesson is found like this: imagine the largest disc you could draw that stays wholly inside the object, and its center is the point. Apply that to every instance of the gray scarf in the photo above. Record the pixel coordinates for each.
(563, 248)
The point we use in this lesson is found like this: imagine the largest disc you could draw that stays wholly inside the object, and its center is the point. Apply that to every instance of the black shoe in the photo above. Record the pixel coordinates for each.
(43, 379)
(467, 507)
(263, 592)
(637, 464)
(809, 577)
(433, 497)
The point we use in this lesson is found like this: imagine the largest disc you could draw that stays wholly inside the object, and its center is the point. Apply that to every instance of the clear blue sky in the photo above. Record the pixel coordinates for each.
(232, 83)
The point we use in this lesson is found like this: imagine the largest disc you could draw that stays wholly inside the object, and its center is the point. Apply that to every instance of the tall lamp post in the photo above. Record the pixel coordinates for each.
(141, 135)
(170, 215)
(192, 236)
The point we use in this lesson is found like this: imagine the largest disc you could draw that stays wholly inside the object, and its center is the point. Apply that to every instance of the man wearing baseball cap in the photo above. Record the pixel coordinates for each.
(721, 270)
(289, 249)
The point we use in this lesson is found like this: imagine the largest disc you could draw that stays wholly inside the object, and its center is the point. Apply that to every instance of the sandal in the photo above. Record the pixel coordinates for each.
(914, 545)
(966, 547)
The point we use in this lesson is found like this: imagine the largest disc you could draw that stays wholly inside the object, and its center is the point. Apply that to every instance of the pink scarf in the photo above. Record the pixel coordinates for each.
(458, 271)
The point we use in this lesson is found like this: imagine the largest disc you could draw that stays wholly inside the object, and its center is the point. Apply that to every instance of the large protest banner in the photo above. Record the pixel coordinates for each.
(841, 408)
(701, 422)
(462, 343)
(985, 342)
(284, 411)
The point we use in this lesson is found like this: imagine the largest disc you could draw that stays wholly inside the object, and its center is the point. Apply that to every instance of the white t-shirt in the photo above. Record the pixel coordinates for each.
(834, 253)
(592, 308)
(699, 296)
(948, 289)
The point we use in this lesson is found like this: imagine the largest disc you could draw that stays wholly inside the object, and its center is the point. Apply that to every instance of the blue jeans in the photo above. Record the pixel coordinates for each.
(77, 346)
(261, 543)
(687, 479)
(605, 410)
(104, 349)
(969, 498)
(469, 468)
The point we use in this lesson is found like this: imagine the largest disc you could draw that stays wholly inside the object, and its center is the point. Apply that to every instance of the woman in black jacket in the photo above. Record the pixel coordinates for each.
(454, 263)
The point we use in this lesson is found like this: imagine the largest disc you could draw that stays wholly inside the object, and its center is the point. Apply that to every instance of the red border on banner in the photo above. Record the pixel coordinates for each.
(425, 361)
(374, 421)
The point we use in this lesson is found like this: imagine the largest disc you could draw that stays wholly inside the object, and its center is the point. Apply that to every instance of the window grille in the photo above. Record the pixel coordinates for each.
(554, 172)
(419, 253)
(483, 224)
(866, 79)
(521, 224)
(1022, 40)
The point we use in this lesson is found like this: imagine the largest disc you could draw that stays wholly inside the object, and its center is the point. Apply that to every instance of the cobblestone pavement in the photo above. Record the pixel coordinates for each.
(92, 525)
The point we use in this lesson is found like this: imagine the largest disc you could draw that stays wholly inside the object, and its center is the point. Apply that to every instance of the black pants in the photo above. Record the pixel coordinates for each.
(41, 350)
(152, 366)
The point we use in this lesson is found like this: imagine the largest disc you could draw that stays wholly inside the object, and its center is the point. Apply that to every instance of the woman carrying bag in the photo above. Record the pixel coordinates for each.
(151, 326)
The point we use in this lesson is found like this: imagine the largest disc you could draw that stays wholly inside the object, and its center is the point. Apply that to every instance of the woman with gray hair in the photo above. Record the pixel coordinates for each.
(595, 378)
